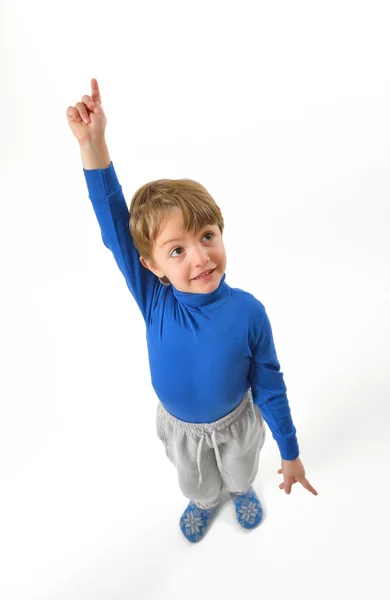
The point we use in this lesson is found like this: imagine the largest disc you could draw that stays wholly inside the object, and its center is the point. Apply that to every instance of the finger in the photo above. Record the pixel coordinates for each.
(287, 485)
(83, 112)
(95, 91)
(309, 487)
(281, 485)
(280, 471)
(73, 114)
(89, 102)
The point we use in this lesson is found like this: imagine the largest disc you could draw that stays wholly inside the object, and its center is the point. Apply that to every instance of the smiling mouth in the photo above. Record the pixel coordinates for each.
(205, 275)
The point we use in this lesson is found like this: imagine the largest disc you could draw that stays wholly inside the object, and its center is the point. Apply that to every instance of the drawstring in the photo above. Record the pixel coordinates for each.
(217, 455)
(198, 459)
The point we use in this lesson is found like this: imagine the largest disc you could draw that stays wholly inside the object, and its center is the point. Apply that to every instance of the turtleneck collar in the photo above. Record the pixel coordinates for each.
(206, 302)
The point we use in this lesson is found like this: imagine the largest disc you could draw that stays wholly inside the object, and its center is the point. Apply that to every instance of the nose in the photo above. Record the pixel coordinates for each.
(200, 256)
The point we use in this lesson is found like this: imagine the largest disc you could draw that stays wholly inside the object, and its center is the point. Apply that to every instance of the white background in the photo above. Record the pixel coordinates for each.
(281, 110)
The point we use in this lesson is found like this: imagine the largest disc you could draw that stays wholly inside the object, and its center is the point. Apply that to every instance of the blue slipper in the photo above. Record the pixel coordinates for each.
(249, 512)
(194, 521)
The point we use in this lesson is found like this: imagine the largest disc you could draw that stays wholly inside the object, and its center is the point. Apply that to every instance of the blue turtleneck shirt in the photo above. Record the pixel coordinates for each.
(205, 350)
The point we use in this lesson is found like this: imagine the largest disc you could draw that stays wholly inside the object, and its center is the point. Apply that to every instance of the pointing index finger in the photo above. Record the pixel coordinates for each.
(308, 486)
(95, 91)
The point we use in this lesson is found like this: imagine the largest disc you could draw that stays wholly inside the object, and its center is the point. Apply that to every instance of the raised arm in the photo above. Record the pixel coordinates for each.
(88, 121)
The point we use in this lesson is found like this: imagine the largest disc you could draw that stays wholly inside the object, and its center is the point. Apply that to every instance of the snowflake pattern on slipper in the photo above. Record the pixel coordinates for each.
(249, 512)
(194, 522)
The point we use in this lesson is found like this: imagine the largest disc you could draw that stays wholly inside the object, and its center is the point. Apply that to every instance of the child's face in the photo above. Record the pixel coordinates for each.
(189, 255)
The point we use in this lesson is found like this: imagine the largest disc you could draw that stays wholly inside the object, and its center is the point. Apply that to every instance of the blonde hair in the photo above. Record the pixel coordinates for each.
(152, 202)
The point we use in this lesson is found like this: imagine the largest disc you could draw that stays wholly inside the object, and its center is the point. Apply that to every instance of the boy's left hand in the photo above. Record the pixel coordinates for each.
(294, 472)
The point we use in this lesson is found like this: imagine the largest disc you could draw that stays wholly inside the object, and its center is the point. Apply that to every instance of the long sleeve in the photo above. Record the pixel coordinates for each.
(269, 392)
(105, 193)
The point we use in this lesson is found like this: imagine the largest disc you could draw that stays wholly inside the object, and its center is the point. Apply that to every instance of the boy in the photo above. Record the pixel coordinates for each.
(212, 357)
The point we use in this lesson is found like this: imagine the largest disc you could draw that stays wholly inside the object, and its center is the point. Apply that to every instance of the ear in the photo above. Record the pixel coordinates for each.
(148, 264)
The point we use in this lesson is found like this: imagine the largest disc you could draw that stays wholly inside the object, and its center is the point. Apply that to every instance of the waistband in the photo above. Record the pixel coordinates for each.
(202, 428)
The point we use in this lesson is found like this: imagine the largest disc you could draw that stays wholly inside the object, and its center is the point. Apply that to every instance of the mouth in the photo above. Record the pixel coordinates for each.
(204, 275)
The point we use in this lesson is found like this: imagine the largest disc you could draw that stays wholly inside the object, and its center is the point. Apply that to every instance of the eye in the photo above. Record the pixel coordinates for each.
(173, 252)
(179, 248)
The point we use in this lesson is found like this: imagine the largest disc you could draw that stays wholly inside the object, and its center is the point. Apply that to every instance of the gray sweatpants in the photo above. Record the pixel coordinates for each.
(209, 456)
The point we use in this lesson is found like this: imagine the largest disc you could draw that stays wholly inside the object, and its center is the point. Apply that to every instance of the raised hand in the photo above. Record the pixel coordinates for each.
(87, 119)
